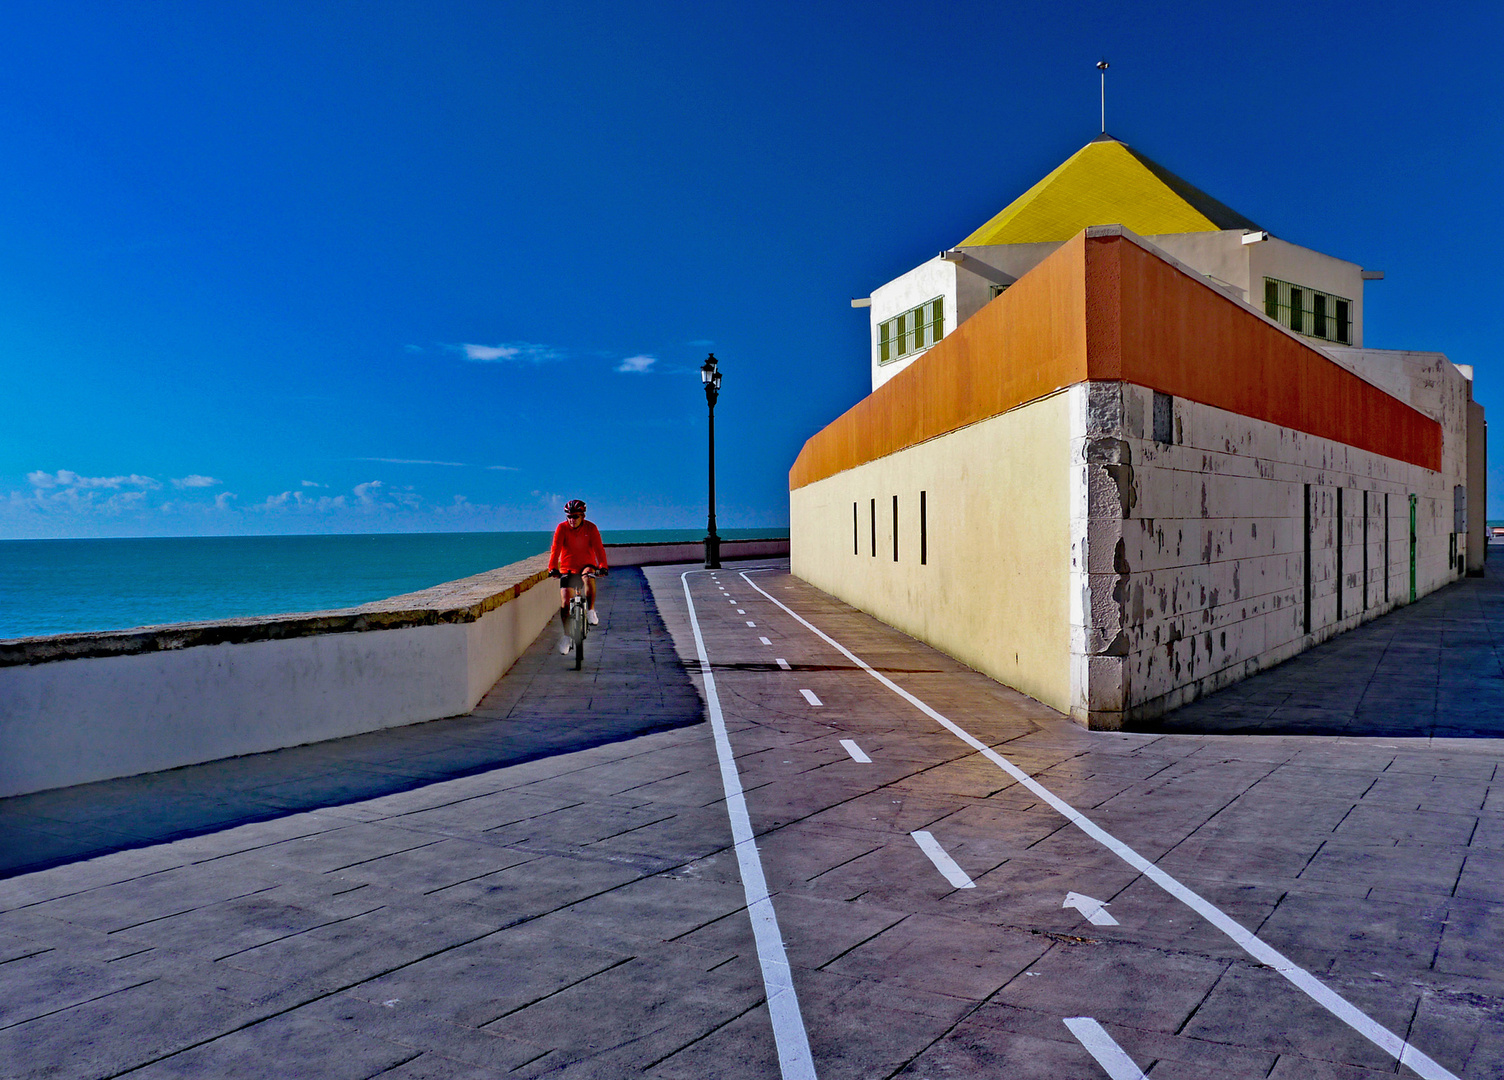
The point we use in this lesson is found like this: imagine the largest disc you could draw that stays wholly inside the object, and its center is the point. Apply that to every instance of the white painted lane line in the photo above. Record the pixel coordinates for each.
(784, 664)
(809, 696)
(739, 611)
(1249, 942)
(1094, 910)
(856, 752)
(943, 862)
(794, 1060)
(765, 641)
(1104, 1048)
(751, 623)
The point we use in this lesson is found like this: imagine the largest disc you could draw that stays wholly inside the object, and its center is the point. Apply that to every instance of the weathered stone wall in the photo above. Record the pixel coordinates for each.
(1189, 554)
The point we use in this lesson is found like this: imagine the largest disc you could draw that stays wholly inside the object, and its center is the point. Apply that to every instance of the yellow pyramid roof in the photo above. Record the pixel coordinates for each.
(1106, 183)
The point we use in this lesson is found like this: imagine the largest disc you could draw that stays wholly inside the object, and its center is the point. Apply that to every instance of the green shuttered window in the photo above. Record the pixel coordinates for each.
(913, 331)
(1308, 312)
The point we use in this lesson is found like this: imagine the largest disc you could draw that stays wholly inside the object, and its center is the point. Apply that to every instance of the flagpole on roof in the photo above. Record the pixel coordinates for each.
(1102, 67)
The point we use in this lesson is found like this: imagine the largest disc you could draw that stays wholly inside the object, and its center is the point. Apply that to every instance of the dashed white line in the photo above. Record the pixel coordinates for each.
(943, 862)
(765, 641)
(1249, 942)
(784, 664)
(794, 1059)
(1104, 1048)
(809, 696)
(751, 623)
(739, 611)
(856, 752)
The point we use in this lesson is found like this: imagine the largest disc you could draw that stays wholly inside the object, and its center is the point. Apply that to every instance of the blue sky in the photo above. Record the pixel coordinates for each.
(317, 267)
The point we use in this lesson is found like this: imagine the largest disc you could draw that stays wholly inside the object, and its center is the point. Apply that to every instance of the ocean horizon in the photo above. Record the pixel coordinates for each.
(77, 586)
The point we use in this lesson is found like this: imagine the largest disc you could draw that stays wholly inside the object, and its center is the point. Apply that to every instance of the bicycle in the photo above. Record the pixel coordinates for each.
(579, 621)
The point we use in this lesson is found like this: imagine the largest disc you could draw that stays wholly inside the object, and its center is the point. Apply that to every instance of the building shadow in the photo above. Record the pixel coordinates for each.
(1431, 669)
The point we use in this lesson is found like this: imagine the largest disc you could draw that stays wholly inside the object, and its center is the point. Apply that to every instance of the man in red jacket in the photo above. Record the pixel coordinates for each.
(577, 546)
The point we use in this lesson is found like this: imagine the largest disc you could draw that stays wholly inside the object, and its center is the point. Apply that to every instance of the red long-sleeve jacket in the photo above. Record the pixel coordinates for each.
(575, 549)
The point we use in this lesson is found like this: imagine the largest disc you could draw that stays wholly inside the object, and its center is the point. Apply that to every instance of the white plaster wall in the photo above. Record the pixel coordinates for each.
(76, 721)
(1201, 582)
(923, 283)
(1221, 256)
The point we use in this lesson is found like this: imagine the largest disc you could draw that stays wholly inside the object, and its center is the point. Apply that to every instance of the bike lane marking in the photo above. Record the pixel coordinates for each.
(1334, 1003)
(794, 1060)
(942, 860)
(809, 696)
(1104, 1048)
(856, 752)
(784, 664)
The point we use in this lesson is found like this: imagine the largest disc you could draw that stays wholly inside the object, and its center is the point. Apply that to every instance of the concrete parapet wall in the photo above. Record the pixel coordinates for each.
(75, 708)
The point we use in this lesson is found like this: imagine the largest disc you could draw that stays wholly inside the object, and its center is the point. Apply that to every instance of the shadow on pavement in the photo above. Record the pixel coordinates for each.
(1432, 669)
(632, 683)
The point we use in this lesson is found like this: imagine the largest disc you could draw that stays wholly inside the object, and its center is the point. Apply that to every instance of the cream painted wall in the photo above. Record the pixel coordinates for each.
(993, 592)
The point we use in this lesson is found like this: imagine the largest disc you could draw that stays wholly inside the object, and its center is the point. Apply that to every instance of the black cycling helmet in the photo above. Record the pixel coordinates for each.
(574, 506)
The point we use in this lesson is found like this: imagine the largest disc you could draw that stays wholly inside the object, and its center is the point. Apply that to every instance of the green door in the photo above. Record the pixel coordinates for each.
(1412, 549)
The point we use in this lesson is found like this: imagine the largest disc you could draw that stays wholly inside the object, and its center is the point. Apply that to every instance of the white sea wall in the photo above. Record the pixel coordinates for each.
(82, 707)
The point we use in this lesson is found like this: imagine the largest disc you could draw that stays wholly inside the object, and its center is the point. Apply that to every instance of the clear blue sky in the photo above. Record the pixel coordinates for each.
(314, 267)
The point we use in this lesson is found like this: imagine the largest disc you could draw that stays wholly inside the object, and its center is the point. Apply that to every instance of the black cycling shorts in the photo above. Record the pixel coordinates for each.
(572, 581)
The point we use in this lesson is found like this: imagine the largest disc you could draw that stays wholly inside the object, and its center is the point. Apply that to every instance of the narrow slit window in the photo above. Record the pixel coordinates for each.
(1306, 618)
(924, 540)
(1339, 554)
(1365, 551)
(1318, 315)
(895, 528)
(856, 548)
(874, 528)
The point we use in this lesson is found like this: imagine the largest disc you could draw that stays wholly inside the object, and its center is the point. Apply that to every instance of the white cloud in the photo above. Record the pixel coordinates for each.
(503, 468)
(524, 351)
(222, 500)
(194, 480)
(367, 492)
(67, 478)
(412, 461)
(637, 364)
(313, 483)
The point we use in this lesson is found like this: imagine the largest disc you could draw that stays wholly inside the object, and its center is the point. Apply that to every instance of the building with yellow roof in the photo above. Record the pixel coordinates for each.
(1124, 447)
(1107, 182)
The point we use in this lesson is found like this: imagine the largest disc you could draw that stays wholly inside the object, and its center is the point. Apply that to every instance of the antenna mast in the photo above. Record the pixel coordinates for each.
(1102, 67)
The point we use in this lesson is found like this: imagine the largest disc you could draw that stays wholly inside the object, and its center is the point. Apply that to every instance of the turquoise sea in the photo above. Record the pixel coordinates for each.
(65, 586)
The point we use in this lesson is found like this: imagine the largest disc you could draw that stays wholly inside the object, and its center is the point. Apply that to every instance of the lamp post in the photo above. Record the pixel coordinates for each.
(710, 375)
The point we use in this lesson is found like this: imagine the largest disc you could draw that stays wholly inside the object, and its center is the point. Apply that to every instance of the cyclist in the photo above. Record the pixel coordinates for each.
(577, 547)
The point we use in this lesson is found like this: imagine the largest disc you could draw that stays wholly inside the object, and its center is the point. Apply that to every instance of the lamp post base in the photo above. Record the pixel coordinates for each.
(712, 552)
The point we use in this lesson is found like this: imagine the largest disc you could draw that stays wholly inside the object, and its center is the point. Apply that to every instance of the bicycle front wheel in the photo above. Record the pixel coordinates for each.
(577, 631)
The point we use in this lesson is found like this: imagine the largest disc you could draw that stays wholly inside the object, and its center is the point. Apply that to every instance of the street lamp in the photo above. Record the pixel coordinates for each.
(710, 375)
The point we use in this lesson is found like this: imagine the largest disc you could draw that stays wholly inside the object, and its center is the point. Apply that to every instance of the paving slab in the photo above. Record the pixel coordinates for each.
(575, 908)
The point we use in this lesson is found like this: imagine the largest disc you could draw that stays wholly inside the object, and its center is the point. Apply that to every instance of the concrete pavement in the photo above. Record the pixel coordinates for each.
(585, 914)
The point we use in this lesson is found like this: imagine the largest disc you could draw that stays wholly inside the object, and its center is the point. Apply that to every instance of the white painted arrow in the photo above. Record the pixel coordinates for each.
(1094, 910)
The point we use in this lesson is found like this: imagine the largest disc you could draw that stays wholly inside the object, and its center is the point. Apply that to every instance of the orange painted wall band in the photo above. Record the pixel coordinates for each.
(1103, 308)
